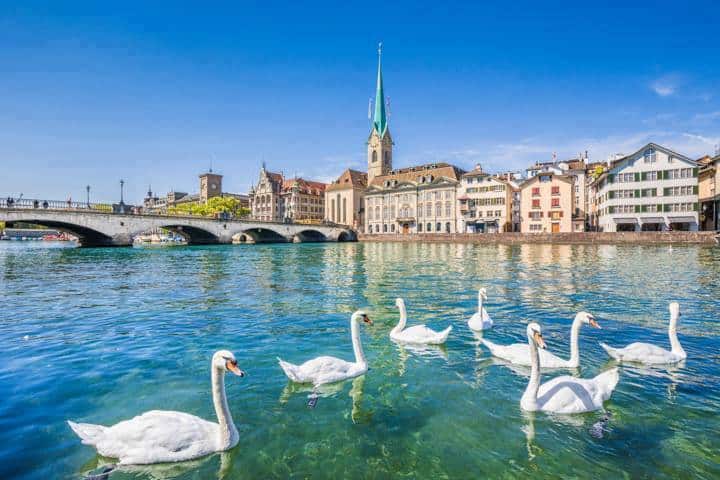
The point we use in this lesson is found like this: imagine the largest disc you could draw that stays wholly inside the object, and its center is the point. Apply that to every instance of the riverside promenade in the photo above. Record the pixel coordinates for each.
(642, 238)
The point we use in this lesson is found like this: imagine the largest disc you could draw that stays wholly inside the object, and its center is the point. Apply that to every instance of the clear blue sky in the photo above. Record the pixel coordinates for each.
(154, 92)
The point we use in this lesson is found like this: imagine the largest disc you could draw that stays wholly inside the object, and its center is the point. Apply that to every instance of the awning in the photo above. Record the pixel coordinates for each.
(652, 220)
(625, 220)
(682, 219)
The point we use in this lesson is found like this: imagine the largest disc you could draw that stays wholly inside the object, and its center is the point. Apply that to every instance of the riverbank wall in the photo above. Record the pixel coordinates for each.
(640, 238)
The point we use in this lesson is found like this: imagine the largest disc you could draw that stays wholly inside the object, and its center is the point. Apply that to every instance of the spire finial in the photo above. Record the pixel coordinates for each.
(380, 49)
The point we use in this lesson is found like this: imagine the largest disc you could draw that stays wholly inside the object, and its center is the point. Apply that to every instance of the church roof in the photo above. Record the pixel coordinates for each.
(349, 179)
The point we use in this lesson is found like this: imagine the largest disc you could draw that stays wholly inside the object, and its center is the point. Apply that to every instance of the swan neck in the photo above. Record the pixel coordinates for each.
(228, 432)
(574, 343)
(403, 318)
(357, 345)
(676, 348)
(480, 302)
(529, 398)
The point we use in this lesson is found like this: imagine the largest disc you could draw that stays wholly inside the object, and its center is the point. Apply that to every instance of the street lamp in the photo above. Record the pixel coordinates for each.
(87, 190)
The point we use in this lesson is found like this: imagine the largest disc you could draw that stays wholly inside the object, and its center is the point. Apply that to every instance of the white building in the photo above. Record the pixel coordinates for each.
(484, 203)
(653, 189)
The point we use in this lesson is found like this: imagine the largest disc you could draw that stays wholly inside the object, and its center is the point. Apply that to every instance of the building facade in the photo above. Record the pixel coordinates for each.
(546, 203)
(485, 203)
(345, 199)
(653, 189)
(277, 199)
(411, 200)
(709, 193)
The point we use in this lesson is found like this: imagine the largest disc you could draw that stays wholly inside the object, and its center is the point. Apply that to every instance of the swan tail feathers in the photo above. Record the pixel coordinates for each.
(609, 381)
(444, 334)
(489, 345)
(290, 370)
(611, 351)
(89, 434)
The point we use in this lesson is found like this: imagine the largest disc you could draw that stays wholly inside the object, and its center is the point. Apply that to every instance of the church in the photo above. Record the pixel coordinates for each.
(420, 199)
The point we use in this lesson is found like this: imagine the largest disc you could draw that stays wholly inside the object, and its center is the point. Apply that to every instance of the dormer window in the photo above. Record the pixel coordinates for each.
(650, 156)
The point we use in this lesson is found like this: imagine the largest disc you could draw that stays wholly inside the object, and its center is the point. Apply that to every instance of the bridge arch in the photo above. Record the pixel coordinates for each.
(347, 236)
(309, 235)
(193, 235)
(88, 237)
(259, 235)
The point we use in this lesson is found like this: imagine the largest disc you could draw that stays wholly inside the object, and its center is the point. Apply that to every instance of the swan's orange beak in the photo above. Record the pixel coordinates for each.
(539, 340)
(231, 366)
(594, 323)
(367, 320)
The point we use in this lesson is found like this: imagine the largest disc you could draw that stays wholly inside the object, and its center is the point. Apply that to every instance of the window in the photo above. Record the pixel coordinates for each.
(429, 227)
(536, 191)
(392, 211)
(385, 227)
(447, 227)
(556, 190)
(652, 175)
(438, 227)
(428, 209)
(555, 203)
(536, 203)
(419, 227)
(650, 156)
(535, 227)
(374, 156)
(448, 209)
(392, 228)
(448, 194)
(344, 210)
(438, 209)
(370, 214)
(420, 209)
(377, 228)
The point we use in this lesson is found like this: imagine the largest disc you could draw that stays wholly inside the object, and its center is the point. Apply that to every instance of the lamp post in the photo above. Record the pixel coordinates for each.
(87, 190)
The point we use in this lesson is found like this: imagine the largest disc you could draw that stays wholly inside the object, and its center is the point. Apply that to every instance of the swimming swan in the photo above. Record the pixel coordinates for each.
(419, 334)
(161, 436)
(651, 354)
(519, 353)
(326, 369)
(480, 320)
(563, 394)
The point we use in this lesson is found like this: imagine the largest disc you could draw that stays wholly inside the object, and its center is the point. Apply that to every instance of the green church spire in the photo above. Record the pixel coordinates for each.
(380, 118)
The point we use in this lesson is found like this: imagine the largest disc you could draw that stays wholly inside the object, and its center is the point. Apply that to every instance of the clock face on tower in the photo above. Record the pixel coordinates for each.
(213, 186)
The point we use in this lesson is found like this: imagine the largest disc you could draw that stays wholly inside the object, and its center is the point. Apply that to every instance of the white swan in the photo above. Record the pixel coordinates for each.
(563, 394)
(651, 354)
(161, 436)
(480, 320)
(419, 334)
(519, 353)
(326, 369)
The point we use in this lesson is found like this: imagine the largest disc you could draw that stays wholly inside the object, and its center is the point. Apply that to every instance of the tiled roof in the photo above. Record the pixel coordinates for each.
(349, 179)
(306, 186)
(413, 174)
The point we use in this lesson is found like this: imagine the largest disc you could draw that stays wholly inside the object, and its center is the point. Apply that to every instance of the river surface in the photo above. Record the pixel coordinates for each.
(101, 335)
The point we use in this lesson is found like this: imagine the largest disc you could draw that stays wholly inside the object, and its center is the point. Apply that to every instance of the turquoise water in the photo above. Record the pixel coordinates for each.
(101, 335)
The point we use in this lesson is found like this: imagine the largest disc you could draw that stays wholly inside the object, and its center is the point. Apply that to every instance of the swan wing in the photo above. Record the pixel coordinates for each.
(422, 334)
(326, 369)
(157, 436)
(480, 321)
(568, 394)
(641, 353)
(519, 354)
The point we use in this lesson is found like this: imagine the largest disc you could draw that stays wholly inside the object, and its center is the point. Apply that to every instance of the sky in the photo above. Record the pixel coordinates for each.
(157, 92)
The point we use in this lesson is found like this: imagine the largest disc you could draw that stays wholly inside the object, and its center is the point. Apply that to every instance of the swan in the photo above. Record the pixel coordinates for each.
(161, 436)
(480, 320)
(563, 394)
(326, 369)
(519, 353)
(651, 354)
(419, 334)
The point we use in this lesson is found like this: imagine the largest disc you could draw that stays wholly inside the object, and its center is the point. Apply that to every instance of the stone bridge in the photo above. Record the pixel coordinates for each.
(101, 229)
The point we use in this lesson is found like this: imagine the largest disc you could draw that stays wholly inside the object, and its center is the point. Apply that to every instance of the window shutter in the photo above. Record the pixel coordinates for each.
(611, 194)
(666, 207)
(643, 208)
(643, 176)
(561, 214)
(611, 209)
(665, 174)
(529, 214)
(695, 189)
(611, 178)
(666, 191)
(695, 172)
(541, 214)
(695, 207)
(637, 193)
(637, 208)
(659, 207)
(643, 193)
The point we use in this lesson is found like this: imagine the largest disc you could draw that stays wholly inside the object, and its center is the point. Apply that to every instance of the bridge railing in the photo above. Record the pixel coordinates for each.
(32, 203)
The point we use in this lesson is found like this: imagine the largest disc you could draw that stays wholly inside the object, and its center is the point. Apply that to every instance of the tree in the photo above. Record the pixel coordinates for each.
(212, 208)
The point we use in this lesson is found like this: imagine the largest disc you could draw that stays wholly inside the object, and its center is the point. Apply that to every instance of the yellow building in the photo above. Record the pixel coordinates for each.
(344, 199)
(546, 203)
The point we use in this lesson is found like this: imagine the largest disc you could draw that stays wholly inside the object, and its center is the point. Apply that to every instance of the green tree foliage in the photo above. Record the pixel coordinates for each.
(212, 208)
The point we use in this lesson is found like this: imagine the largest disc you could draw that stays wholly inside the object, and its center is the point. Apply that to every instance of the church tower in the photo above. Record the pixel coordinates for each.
(380, 142)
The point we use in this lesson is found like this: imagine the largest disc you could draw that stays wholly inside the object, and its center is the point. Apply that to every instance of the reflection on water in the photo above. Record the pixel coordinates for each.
(102, 335)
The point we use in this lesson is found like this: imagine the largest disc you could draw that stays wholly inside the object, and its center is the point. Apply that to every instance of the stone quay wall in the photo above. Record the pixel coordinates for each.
(644, 238)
